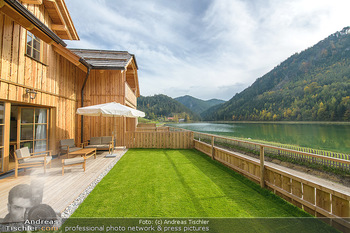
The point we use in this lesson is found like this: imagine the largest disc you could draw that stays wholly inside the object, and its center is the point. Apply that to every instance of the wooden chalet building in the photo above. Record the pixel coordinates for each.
(42, 82)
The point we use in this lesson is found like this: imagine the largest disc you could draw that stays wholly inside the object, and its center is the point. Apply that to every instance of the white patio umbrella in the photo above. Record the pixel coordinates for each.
(112, 109)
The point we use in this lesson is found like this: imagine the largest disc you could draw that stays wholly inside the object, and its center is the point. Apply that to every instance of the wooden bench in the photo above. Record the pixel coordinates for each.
(84, 153)
(101, 143)
(73, 162)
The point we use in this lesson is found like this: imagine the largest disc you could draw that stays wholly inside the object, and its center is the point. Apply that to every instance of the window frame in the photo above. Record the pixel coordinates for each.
(32, 47)
(21, 124)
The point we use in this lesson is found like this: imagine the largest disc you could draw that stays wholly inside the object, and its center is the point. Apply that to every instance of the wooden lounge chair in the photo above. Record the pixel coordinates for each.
(68, 145)
(24, 159)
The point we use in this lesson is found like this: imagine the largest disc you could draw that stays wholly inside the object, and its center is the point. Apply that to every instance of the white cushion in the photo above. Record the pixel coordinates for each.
(67, 142)
(97, 146)
(106, 140)
(95, 141)
(22, 153)
(35, 160)
(73, 161)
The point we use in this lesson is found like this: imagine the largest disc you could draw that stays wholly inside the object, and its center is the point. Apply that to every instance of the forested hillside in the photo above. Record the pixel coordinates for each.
(311, 85)
(197, 105)
(162, 107)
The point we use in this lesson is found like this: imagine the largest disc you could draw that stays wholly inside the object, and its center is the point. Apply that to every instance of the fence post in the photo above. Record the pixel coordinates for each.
(262, 168)
(192, 139)
(212, 147)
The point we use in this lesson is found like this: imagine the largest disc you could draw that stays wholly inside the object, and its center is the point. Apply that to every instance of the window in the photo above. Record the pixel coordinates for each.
(33, 46)
(34, 128)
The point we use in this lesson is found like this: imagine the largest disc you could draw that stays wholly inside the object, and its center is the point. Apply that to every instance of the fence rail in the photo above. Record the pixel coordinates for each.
(159, 139)
(146, 125)
(152, 129)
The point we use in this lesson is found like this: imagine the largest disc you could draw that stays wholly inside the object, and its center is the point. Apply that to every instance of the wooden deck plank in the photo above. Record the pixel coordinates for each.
(59, 191)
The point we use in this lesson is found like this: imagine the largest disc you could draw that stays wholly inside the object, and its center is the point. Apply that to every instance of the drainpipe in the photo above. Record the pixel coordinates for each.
(82, 97)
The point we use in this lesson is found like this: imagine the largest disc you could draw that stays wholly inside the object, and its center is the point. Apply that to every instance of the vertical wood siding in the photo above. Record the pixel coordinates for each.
(104, 86)
(56, 80)
(58, 83)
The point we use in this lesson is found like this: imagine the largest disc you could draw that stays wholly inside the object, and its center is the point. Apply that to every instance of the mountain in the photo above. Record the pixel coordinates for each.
(311, 85)
(162, 107)
(197, 105)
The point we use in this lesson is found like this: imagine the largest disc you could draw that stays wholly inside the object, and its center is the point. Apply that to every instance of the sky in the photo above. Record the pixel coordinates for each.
(205, 48)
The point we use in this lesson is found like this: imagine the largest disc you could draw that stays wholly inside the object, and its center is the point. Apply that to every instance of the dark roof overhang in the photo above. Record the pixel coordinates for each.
(24, 12)
(133, 56)
(105, 59)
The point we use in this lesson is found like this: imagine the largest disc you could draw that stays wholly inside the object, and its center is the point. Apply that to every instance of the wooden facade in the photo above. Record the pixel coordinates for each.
(57, 76)
(114, 83)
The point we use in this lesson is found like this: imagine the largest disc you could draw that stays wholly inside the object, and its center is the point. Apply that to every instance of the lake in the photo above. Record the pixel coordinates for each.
(331, 137)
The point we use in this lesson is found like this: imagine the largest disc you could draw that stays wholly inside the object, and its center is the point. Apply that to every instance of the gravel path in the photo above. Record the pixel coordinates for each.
(74, 205)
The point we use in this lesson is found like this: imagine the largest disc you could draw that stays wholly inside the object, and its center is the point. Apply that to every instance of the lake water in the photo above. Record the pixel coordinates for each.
(331, 137)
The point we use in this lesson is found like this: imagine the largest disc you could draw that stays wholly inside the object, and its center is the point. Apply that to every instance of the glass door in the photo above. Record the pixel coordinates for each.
(2, 128)
(32, 128)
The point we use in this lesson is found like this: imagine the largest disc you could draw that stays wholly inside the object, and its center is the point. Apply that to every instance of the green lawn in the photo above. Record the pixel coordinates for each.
(180, 183)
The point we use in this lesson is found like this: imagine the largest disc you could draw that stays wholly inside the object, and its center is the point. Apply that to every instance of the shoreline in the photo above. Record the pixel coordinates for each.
(314, 144)
(277, 122)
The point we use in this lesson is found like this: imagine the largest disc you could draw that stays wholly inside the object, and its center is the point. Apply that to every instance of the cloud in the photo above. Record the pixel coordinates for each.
(205, 48)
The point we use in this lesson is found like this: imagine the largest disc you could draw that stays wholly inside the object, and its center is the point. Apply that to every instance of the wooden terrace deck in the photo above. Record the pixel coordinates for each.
(59, 191)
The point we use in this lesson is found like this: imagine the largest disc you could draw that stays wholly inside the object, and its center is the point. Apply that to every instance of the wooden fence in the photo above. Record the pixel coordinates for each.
(330, 159)
(316, 198)
(158, 139)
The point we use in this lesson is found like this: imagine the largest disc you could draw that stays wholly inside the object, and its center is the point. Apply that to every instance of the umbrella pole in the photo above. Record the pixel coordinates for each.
(115, 132)
(114, 138)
